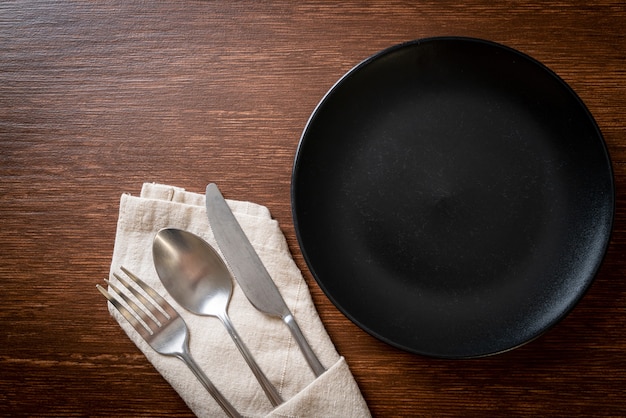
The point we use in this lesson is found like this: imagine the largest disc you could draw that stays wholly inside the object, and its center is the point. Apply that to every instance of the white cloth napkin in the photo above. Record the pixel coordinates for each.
(333, 394)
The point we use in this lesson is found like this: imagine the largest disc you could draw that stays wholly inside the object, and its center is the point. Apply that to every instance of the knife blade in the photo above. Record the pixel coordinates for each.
(249, 271)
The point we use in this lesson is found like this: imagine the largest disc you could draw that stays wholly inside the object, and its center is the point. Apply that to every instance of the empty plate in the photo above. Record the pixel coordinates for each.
(452, 197)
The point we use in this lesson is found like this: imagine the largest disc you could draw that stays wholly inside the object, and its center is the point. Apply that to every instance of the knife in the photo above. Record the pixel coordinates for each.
(250, 272)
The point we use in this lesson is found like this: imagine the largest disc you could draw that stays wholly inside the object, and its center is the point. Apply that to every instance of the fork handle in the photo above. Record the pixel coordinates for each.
(216, 394)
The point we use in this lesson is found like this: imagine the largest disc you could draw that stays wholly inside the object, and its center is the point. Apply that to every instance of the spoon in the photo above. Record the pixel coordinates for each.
(198, 279)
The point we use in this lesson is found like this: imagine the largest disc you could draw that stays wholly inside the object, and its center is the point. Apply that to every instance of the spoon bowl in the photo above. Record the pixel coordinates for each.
(192, 272)
(198, 279)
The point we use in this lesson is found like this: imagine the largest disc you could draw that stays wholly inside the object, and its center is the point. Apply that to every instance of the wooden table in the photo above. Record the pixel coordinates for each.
(98, 97)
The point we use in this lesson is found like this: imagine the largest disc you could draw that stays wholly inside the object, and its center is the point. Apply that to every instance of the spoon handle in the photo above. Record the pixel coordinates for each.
(267, 386)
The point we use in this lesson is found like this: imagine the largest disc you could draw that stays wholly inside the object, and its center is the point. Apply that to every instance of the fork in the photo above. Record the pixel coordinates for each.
(162, 327)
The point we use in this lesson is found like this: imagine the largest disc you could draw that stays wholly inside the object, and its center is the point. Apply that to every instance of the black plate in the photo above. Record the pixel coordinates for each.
(453, 197)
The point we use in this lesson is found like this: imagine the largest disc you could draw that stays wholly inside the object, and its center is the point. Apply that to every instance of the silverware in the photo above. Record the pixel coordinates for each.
(169, 336)
(250, 272)
(197, 278)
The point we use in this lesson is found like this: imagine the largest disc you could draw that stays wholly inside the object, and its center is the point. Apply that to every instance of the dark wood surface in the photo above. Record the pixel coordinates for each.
(98, 97)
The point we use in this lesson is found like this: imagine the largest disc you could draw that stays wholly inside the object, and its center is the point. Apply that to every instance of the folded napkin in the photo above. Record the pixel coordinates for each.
(333, 394)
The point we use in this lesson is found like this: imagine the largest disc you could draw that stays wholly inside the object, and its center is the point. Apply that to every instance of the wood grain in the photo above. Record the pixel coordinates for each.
(98, 97)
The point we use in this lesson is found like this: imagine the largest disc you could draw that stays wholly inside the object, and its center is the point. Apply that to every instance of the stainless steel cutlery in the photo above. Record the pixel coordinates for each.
(167, 335)
(250, 272)
(196, 277)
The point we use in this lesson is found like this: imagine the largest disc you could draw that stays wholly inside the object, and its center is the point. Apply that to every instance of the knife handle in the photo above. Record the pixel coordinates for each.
(306, 349)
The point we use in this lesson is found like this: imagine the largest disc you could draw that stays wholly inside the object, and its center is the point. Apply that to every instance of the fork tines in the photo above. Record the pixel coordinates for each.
(146, 319)
(160, 326)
